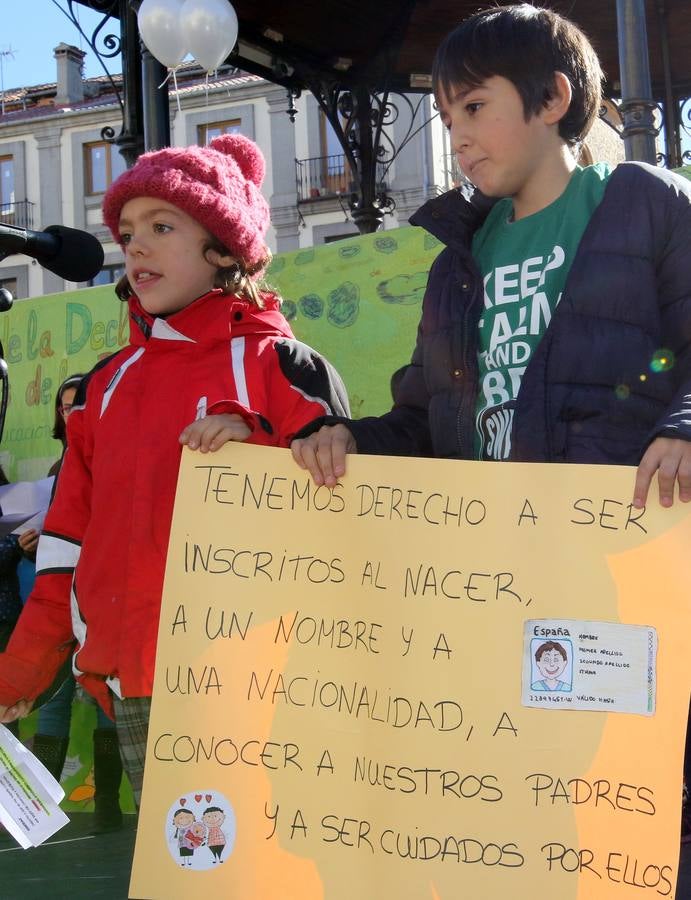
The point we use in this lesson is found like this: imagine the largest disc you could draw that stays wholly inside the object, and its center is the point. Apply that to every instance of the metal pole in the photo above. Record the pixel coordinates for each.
(155, 102)
(636, 92)
(130, 141)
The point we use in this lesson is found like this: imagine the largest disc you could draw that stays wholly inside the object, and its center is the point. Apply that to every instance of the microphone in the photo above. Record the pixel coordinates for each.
(71, 254)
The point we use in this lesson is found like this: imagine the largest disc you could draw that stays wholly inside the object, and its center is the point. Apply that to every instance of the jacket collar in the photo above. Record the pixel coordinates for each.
(210, 318)
(455, 216)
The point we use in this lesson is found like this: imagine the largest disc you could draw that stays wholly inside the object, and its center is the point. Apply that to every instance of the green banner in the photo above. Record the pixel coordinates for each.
(357, 301)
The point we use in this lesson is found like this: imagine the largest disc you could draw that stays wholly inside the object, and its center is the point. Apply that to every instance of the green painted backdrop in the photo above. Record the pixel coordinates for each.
(357, 301)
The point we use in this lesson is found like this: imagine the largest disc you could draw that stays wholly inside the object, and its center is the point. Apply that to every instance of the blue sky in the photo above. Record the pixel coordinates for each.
(32, 28)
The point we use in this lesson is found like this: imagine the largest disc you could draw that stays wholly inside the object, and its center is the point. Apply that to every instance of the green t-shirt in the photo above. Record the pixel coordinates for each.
(524, 266)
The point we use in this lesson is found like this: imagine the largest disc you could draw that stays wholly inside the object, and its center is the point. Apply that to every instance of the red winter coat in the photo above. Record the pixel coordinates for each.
(101, 557)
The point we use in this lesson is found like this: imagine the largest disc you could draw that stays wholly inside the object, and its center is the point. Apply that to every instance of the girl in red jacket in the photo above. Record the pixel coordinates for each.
(210, 360)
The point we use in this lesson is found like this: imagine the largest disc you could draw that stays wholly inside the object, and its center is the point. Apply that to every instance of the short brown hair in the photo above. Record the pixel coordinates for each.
(526, 45)
(550, 645)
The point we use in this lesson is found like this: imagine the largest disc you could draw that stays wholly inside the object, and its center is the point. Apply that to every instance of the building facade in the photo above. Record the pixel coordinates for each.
(55, 164)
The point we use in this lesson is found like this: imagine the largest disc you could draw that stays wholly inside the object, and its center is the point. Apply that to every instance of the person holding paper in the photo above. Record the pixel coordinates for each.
(556, 320)
(12, 549)
(52, 737)
(211, 359)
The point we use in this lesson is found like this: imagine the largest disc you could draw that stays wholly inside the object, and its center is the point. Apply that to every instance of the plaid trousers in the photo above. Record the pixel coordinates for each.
(132, 725)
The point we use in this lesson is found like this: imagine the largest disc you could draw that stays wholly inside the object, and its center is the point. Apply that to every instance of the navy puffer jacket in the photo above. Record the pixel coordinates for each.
(591, 392)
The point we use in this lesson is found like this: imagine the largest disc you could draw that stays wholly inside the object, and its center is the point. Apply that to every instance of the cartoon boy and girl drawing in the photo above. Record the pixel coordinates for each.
(192, 834)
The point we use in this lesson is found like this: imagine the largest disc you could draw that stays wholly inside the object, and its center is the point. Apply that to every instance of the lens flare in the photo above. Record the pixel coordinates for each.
(622, 391)
(663, 360)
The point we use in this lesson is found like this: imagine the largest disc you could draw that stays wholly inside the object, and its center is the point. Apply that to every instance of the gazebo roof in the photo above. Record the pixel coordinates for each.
(363, 39)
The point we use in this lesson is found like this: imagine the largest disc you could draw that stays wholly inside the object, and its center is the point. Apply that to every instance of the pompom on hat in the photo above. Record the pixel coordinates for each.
(218, 186)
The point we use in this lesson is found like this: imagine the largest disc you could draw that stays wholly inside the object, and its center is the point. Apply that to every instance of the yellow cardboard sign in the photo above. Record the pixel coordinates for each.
(441, 679)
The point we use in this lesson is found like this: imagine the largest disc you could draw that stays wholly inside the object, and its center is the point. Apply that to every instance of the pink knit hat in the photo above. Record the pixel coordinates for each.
(218, 186)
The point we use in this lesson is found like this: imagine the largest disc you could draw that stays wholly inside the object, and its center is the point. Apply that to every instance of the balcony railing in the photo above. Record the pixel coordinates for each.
(326, 176)
(20, 213)
(322, 176)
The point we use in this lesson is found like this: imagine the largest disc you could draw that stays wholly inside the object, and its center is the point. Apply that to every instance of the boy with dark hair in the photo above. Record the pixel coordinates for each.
(556, 324)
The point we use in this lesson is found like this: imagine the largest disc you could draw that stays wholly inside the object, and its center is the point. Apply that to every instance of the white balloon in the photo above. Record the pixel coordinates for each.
(161, 31)
(210, 28)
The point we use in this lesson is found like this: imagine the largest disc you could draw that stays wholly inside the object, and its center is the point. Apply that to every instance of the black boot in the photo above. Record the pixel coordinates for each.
(107, 776)
(51, 751)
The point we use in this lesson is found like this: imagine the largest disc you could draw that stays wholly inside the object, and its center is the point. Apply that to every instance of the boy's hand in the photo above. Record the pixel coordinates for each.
(323, 453)
(671, 459)
(17, 711)
(212, 432)
(28, 541)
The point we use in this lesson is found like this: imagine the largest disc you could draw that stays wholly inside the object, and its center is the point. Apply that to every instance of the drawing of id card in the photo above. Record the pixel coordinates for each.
(573, 664)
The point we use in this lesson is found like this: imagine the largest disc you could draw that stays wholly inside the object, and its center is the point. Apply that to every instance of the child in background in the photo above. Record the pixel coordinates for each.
(52, 737)
(12, 549)
(210, 359)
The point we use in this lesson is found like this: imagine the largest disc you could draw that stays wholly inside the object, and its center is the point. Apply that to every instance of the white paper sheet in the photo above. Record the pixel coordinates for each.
(29, 795)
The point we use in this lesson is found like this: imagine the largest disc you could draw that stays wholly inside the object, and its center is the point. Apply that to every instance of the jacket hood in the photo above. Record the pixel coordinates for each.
(212, 317)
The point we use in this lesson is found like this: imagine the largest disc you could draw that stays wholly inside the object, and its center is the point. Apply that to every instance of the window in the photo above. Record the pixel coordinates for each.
(206, 133)
(6, 186)
(103, 162)
(108, 275)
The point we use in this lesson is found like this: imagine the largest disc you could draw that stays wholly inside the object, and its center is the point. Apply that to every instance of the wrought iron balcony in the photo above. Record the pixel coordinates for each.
(322, 176)
(327, 176)
(20, 213)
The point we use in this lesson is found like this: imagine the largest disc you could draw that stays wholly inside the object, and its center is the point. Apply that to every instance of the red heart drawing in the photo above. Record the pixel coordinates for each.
(182, 801)
(197, 797)
(208, 798)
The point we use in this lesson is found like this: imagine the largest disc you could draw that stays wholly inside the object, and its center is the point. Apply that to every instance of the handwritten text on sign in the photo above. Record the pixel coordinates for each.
(348, 674)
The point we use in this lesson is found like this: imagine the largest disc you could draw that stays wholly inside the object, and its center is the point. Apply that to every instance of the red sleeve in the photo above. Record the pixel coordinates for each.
(43, 636)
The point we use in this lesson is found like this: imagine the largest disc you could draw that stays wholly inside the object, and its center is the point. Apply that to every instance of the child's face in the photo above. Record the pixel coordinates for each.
(164, 258)
(213, 818)
(551, 664)
(183, 819)
(66, 402)
(500, 152)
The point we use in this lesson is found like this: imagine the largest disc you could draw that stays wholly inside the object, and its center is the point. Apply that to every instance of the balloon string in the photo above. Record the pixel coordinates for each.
(177, 92)
(172, 73)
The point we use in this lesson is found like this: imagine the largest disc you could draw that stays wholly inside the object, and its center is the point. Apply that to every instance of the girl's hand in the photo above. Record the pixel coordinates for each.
(28, 541)
(671, 459)
(17, 711)
(212, 432)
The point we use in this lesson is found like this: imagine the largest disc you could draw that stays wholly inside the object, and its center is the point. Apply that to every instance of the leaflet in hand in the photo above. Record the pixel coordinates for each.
(29, 795)
(23, 505)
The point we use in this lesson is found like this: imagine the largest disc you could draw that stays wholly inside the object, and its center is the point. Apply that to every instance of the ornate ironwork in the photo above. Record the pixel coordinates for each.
(292, 110)
(112, 43)
(359, 118)
(106, 45)
(685, 127)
